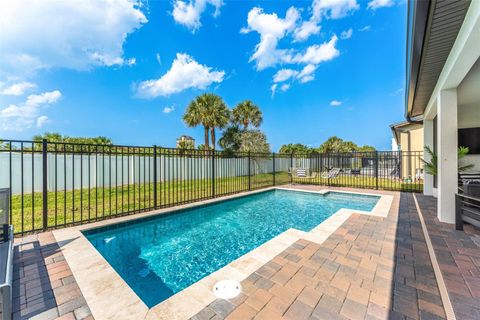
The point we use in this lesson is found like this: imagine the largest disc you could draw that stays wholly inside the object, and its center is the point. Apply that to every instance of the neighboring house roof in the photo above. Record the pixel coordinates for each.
(432, 28)
(184, 137)
(404, 126)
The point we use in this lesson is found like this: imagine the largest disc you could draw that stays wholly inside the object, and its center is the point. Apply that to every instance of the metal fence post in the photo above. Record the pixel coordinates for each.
(273, 168)
(376, 170)
(155, 176)
(249, 172)
(400, 169)
(291, 168)
(328, 168)
(44, 183)
(213, 173)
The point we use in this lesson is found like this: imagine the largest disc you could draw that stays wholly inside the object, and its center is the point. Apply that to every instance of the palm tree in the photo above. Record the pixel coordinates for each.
(246, 113)
(431, 166)
(210, 111)
(196, 114)
(218, 114)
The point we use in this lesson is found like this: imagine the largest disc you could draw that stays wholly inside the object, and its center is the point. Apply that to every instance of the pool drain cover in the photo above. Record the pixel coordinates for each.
(227, 289)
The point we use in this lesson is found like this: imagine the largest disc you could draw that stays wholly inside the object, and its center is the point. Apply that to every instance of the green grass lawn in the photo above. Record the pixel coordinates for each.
(67, 207)
(363, 182)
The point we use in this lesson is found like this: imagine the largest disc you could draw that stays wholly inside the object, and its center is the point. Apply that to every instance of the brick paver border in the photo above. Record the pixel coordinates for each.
(458, 255)
(43, 286)
(369, 268)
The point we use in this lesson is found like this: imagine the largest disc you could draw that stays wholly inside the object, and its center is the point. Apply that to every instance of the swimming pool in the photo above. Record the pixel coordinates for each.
(162, 255)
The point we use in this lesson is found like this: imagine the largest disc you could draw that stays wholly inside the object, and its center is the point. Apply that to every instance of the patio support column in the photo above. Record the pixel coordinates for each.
(428, 142)
(447, 154)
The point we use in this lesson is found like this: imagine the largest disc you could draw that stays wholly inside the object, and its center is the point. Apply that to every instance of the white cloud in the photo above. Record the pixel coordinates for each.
(284, 75)
(366, 28)
(285, 87)
(316, 54)
(375, 4)
(41, 121)
(25, 115)
(271, 29)
(306, 74)
(188, 14)
(335, 103)
(131, 62)
(303, 76)
(334, 9)
(185, 73)
(273, 88)
(330, 9)
(398, 91)
(306, 29)
(17, 89)
(346, 34)
(75, 34)
(168, 109)
(159, 60)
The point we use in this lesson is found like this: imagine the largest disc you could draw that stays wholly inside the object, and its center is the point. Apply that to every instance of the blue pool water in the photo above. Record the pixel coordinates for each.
(158, 257)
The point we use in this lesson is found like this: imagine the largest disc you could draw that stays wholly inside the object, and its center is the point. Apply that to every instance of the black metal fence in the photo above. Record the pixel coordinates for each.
(54, 185)
(386, 170)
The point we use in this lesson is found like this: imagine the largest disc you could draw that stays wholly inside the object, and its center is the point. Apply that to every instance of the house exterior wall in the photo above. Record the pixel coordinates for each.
(416, 139)
(451, 113)
(410, 140)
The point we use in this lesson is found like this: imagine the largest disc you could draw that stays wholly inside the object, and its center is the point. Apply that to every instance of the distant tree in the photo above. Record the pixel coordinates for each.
(57, 137)
(50, 136)
(254, 141)
(295, 148)
(3, 145)
(336, 144)
(247, 113)
(333, 144)
(203, 147)
(231, 138)
(185, 145)
(366, 148)
(348, 146)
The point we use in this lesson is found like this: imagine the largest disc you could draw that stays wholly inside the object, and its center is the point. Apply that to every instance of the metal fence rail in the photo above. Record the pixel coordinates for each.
(387, 170)
(60, 184)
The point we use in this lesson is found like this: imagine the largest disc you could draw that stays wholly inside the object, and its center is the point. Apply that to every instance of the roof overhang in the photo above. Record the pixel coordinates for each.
(404, 126)
(432, 28)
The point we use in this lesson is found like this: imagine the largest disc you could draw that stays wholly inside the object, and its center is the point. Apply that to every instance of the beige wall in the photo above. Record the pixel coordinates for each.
(411, 140)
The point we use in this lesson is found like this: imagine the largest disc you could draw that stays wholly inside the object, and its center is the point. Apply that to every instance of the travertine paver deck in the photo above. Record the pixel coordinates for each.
(44, 287)
(458, 255)
(370, 268)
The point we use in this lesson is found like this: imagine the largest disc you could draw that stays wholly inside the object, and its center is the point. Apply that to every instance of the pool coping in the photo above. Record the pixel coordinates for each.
(110, 297)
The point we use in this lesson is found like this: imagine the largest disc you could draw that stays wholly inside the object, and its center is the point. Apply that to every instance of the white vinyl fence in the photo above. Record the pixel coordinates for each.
(67, 172)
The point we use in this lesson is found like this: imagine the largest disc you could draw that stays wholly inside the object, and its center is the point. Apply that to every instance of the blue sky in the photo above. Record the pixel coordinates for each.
(127, 69)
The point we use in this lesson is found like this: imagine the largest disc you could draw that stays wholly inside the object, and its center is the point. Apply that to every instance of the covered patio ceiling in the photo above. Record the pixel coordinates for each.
(432, 29)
